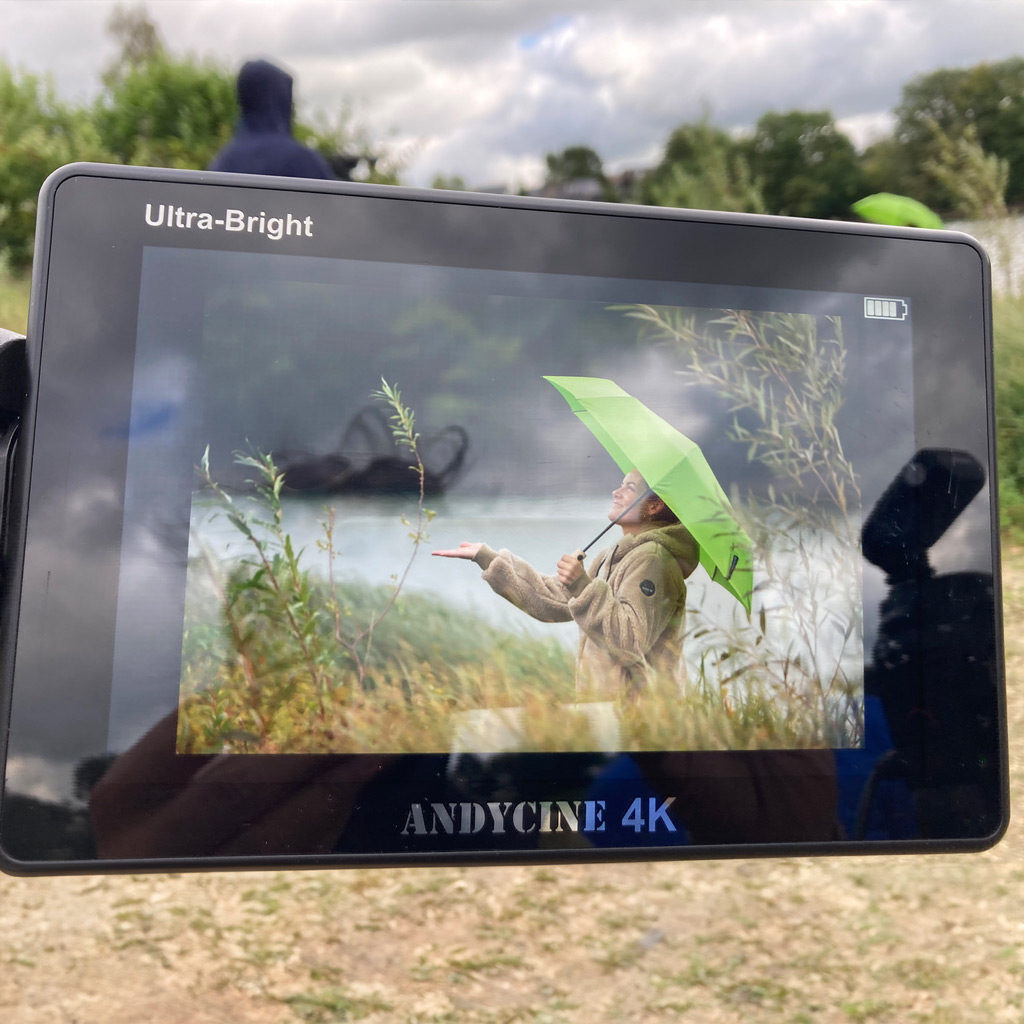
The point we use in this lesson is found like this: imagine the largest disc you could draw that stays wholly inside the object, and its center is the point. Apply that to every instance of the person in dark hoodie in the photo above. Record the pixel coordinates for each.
(263, 141)
(629, 603)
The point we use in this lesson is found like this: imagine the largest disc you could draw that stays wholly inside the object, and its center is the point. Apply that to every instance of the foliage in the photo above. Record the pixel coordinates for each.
(293, 665)
(973, 181)
(156, 109)
(280, 591)
(778, 368)
(167, 112)
(702, 168)
(339, 136)
(799, 163)
(989, 96)
(452, 182)
(38, 134)
(578, 164)
(805, 165)
(885, 167)
(138, 40)
(1009, 400)
(573, 163)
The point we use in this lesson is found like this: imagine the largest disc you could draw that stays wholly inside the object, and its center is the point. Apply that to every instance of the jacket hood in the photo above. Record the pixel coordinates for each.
(676, 539)
(265, 97)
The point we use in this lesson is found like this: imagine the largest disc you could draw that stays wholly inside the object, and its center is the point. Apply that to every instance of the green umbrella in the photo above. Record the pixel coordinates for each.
(899, 211)
(674, 468)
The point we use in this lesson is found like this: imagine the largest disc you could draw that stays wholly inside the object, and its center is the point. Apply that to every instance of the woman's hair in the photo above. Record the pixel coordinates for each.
(661, 513)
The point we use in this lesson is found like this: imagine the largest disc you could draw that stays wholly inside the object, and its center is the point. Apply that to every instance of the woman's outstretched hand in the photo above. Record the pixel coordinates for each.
(465, 550)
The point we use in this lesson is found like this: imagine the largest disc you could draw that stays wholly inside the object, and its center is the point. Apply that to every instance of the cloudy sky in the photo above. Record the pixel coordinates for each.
(484, 88)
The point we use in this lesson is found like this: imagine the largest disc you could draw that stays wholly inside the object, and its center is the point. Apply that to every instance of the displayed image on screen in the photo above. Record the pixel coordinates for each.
(387, 467)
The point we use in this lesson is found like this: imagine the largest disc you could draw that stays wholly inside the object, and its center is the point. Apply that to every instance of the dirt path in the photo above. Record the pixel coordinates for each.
(930, 939)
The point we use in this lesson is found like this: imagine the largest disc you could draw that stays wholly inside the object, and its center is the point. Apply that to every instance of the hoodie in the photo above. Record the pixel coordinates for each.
(263, 142)
(629, 606)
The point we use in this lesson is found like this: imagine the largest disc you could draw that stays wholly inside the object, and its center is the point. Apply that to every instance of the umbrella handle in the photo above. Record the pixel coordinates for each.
(625, 511)
(732, 568)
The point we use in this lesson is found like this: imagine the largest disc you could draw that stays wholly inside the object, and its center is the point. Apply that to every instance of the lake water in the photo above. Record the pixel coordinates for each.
(373, 544)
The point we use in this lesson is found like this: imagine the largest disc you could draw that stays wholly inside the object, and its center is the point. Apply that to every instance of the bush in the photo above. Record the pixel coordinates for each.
(1009, 399)
(167, 112)
(38, 134)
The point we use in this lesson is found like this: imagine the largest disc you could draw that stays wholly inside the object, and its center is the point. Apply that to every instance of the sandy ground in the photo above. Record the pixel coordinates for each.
(923, 939)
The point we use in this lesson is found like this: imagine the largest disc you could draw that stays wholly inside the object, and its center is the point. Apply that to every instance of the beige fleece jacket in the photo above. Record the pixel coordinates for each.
(629, 606)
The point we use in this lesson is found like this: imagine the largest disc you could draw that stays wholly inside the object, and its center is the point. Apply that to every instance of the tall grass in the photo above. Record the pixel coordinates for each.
(275, 659)
(251, 688)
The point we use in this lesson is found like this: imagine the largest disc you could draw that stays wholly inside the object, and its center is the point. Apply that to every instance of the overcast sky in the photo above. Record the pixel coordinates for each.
(484, 88)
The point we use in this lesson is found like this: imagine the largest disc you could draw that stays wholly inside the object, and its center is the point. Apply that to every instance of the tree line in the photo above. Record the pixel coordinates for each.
(957, 145)
(955, 131)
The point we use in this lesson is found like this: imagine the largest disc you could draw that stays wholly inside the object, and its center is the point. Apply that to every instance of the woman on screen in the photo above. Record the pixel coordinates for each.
(629, 603)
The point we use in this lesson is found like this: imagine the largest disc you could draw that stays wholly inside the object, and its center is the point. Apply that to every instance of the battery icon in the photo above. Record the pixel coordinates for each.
(885, 309)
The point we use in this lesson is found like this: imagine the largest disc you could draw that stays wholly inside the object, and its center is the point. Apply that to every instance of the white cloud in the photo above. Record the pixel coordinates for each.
(485, 89)
(864, 129)
(39, 777)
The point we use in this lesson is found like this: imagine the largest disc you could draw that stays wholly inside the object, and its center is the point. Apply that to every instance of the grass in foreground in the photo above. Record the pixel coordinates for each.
(435, 678)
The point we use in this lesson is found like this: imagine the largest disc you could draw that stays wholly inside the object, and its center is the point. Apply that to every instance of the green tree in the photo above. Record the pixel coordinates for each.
(167, 112)
(806, 166)
(974, 181)
(157, 109)
(452, 182)
(138, 39)
(573, 163)
(340, 136)
(577, 163)
(703, 168)
(989, 95)
(885, 167)
(37, 135)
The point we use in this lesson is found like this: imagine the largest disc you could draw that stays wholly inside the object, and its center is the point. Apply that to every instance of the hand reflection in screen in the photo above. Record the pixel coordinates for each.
(154, 803)
(757, 796)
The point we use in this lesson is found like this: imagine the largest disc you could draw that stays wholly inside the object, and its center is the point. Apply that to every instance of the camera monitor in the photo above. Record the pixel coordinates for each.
(364, 525)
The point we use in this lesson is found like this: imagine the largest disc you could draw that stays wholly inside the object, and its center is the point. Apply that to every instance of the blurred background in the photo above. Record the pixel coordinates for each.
(788, 107)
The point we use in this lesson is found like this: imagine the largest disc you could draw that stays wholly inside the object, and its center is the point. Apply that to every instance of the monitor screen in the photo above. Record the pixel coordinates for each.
(242, 358)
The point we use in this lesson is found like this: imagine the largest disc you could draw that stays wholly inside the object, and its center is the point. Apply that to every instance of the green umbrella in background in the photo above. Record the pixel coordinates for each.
(675, 469)
(899, 211)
